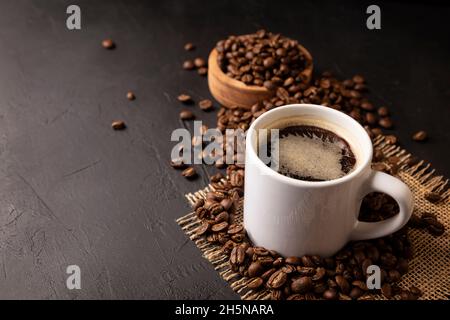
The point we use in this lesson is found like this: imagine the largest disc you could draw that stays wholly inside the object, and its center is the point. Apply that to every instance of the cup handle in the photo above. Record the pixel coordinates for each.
(382, 182)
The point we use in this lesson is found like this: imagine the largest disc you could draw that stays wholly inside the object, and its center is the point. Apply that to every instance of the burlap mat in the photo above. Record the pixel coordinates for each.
(429, 269)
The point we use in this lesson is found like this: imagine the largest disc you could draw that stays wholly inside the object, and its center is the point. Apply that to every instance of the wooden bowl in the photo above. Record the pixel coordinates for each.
(231, 92)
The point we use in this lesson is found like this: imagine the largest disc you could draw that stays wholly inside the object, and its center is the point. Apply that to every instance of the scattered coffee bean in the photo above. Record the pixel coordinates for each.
(177, 164)
(184, 98)
(420, 136)
(189, 173)
(391, 139)
(188, 65)
(108, 44)
(433, 197)
(383, 111)
(187, 115)
(205, 104)
(199, 62)
(130, 96)
(118, 125)
(385, 123)
(189, 46)
(202, 71)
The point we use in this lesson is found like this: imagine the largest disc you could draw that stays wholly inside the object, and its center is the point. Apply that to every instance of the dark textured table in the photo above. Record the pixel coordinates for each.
(73, 191)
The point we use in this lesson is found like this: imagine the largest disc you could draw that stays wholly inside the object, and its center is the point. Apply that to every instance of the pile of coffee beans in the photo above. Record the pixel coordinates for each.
(342, 276)
(262, 59)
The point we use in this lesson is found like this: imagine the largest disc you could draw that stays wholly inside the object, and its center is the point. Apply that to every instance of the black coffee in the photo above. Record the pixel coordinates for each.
(313, 154)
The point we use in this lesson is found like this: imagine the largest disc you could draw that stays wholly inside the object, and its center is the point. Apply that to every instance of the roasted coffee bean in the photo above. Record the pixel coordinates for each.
(386, 290)
(237, 255)
(296, 261)
(378, 155)
(187, 115)
(385, 123)
(238, 237)
(130, 95)
(235, 228)
(216, 178)
(391, 139)
(307, 261)
(189, 173)
(188, 65)
(288, 269)
(199, 62)
(383, 111)
(433, 197)
(266, 261)
(202, 213)
(371, 118)
(260, 251)
(420, 136)
(184, 98)
(205, 104)
(228, 246)
(204, 227)
(198, 203)
(255, 283)
(189, 46)
(302, 285)
(221, 226)
(355, 293)
(203, 71)
(255, 269)
(358, 79)
(343, 284)
(306, 271)
(223, 216)
(415, 291)
(177, 164)
(266, 275)
(367, 106)
(278, 262)
(320, 273)
(269, 85)
(226, 204)
(118, 125)
(330, 294)
(277, 280)
(215, 196)
(436, 230)
(108, 44)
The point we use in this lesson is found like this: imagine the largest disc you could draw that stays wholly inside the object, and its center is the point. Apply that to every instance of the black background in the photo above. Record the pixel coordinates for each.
(73, 191)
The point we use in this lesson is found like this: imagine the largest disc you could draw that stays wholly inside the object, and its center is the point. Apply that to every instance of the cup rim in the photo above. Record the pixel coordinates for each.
(296, 182)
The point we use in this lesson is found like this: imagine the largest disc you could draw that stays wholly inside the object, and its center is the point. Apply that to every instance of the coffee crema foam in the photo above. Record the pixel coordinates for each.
(311, 153)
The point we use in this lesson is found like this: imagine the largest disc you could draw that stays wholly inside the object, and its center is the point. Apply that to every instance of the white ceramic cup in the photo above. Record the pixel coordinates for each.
(295, 217)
